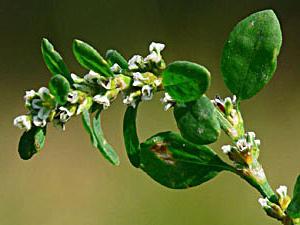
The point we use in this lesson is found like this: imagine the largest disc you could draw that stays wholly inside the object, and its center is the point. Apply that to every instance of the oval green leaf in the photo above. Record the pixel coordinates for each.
(32, 142)
(89, 58)
(106, 149)
(54, 61)
(114, 56)
(197, 121)
(176, 163)
(59, 87)
(131, 139)
(250, 54)
(185, 81)
(293, 209)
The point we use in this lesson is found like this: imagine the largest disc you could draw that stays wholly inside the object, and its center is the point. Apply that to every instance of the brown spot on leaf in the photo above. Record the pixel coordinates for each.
(162, 152)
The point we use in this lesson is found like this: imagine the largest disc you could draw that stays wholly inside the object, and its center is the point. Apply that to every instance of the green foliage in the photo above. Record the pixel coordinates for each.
(185, 81)
(173, 162)
(86, 121)
(31, 142)
(113, 56)
(89, 58)
(59, 87)
(250, 55)
(294, 207)
(197, 121)
(106, 149)
(131, 139)
(54, 61)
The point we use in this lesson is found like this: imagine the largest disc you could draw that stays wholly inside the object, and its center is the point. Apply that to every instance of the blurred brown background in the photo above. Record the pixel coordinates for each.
(70, 182)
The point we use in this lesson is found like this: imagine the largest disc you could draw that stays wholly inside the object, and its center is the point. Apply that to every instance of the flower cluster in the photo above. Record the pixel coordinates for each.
(245, 150)
(137, 83)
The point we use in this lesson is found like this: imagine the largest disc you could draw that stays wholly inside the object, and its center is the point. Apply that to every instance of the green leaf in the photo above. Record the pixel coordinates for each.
(176, 163)
(114, 56)
(107, 151)
(250, 54)
(197, 121)
(294, 207)
(86, 121)
(131, 139)
(54, 61)
(185, 81)
(59, 87)
(31, 142)
(89, 58)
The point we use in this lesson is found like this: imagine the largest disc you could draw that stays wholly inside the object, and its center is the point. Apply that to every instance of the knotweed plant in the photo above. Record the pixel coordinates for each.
(175, 160)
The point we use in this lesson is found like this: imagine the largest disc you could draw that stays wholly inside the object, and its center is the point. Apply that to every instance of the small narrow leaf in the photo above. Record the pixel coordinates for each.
(89, 58)
(250, 55)
(54, 61)
(185, 81)
(197, 121)
(294, 207)
(131, 139)
(176, 163)
(86, 121)
(114, 56)
(59, 87)
(31, 142)
(107, 151)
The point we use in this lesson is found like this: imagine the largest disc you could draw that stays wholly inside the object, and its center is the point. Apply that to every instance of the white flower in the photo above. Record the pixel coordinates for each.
(243, 145)
(135, 62)
(138, 79)
(157, 47)
(147, 93)
(168, 101)
(73, 97)
(282, 191)
(29, 95)
(38, 122)
(64, 114)
(23, 122)
(130, 100)
(251, 134)
(76, 78)
(264, 202)
(257, 142)
(153, 57)
(102, 100)
(115, 68)
(157, 82)
(92, 76)
(226, 149)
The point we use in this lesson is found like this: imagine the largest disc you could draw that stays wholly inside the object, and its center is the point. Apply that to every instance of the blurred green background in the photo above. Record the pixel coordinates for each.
(70, 182)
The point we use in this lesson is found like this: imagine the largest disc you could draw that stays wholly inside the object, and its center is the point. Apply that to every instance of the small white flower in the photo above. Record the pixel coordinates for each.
(226, 149)
(115, 68)
(29, 95)
(153, 57)
(102, 100)
(23, 122)
(73, 97)
(135, 62)
(251, 134)
(282, 191)
(64, 114)
(157, 47)
(76, 78)
(147, 93)
(264, 202)
(38, 122)
(168, 101)
(91, 77)
(157, 82)
(129, 100)
(257, 142)
(243, 145)
(138, 79)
